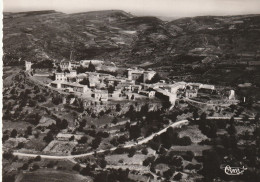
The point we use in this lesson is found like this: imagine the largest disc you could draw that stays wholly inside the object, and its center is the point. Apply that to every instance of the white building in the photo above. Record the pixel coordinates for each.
(207, 87)
(148, 75)
(134, 74)
(65, 65)
(231, 95)
(64, 75)
(166, 95)
(28, 65)
(191, 93)
(85, 63)
(60, 76)
(76, 87)
(100, 95)
(149, 94)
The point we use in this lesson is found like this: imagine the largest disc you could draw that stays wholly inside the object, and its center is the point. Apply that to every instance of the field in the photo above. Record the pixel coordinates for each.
(8, 74)
(47, 175)
(193, 132)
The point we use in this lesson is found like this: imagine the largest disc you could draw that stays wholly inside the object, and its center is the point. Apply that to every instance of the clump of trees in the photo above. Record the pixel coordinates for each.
(168, 139)
(43, 64)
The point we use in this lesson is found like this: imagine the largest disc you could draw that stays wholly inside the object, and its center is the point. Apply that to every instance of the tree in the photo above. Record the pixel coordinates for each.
(76, 167)
(140, 79)
(86, 171)
(72, 138)
(20, 145)
(13, 133)
(134, 132)
(131, 152)
(211, 162)
(5, 137)
(118, 108)
(35, 167)
(176, 161)
(96, 142)
(148, 160)
(85, 81)
(178, 176)
(231, 129)
(48, 138)
(115, 120)
(188, 156)
(102, 163)
(59, 70)
(195, 115)
(25, 166)
(29, 130)
(83, 123)
(144, 110)
(63, 124)
(8, 155)
(156, 78)
(8, 178)
(91, 67)
(83, 140)
(37, 158)
(257, 118)
(232, 120)
(144, 151)
(168, 174)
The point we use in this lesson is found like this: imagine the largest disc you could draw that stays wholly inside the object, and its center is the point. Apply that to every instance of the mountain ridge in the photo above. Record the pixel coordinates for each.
(117, 36)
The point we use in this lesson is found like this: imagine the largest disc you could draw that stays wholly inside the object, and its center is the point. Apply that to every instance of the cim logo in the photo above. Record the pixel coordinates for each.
(234, 170)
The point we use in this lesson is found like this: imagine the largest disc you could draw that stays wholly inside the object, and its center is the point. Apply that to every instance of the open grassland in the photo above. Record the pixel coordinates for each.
(49, 175)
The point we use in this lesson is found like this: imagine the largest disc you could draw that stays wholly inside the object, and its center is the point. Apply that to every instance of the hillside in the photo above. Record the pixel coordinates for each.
(120, 37)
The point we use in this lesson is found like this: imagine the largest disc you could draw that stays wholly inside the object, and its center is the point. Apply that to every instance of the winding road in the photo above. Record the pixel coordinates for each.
(143, 141)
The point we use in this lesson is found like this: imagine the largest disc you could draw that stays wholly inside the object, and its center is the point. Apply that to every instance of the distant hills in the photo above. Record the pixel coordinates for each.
(123, 38)
(117, 35)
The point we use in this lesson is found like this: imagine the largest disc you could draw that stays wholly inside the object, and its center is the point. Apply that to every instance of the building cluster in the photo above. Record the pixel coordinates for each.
(104, 87)
(72, 65)
(135, 74)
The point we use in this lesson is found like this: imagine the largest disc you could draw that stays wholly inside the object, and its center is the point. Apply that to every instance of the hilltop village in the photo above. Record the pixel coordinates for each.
(138, 83)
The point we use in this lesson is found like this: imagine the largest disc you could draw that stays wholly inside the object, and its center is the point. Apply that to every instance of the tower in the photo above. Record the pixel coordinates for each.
(28, 65)
(231, 95)
(129, 74)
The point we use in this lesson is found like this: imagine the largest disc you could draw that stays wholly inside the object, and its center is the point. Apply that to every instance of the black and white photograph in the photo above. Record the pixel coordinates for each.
(130, 90)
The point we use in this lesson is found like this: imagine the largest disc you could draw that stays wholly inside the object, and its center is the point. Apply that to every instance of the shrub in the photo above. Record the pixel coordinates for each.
(83, 140)
(178, 176)
(184, 141)
(131, 152)
(148, 160)
(13, 133)
(37, 158)
(76, 167)
(144, 151)
(35, 167)
(193, 166)
(188, 156)
(25, 166)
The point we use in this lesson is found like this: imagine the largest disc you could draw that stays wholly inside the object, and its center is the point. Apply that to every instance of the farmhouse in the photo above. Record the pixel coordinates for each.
(100, 95)
(76, 87)
(65, 65)
(149, 94)
(165, 95)
(191, 93)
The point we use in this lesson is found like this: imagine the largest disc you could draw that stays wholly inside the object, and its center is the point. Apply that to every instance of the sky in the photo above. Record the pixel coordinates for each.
(167, 8)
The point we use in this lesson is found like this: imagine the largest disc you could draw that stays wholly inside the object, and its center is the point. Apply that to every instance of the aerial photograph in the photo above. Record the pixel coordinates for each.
(130, 91)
